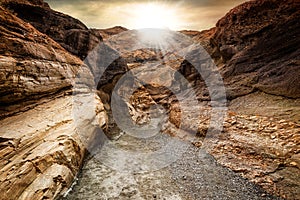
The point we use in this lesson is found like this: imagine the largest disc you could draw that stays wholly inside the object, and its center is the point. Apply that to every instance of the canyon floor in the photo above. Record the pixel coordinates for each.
(196, 175)
(245, 146)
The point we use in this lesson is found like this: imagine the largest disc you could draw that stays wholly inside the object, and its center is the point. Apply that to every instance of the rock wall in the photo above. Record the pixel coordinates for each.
(32, 64)
(42, 149)
(41, 145)
(256, 48)
(69, 32)
(258, 41)
(265, 47)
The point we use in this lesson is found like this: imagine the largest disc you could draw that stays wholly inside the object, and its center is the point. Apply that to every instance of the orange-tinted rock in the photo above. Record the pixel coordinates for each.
(42, 149)
(256, 46)
(32, 65)
(40, 143)
(69, 32)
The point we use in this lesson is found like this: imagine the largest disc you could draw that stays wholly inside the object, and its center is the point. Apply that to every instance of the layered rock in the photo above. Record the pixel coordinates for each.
(42, 149)
(69, 32)
(32, 64)
(76, 38)
(258, 46)
(265, 35)
(257, 51)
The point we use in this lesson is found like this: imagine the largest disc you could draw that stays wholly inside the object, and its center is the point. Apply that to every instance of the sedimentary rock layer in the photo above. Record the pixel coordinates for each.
(41, 149)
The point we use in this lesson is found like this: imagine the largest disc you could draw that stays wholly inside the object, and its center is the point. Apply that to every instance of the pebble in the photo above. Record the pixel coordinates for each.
(273, 136)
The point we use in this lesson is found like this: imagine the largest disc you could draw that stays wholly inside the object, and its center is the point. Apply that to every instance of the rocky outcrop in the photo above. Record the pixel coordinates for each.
(258, 40)
(268, 41)
(256, 48)
(262, 143)
(70, 33)
(41, 149)
(32, 64)
(107, 33)
(74, 37)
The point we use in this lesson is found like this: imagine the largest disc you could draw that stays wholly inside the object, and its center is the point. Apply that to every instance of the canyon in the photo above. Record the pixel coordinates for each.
(233, 126)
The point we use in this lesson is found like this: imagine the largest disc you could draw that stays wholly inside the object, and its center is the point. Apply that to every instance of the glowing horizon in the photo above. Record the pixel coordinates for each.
(154, 15)
(133, 14)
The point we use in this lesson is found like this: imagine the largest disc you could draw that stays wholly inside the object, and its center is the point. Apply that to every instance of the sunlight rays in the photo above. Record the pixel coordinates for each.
(155, 15)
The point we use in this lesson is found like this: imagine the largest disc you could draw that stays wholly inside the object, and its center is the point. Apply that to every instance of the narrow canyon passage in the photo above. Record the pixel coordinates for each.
(195, 175)
(168, 163)
(109, 174)
(117, 111)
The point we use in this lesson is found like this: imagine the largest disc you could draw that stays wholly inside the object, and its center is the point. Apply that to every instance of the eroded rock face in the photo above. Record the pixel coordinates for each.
(257, 50)
(259, 40)
(69, 32)
(32, 64)
(41, 149)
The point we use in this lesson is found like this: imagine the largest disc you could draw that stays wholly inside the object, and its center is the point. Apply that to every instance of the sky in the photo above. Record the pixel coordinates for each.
(136, 14)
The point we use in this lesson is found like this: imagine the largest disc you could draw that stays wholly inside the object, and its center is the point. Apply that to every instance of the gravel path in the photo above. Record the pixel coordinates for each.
(194, 175)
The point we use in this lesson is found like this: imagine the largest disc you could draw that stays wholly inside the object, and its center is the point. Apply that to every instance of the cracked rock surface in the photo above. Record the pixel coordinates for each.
(40, 148)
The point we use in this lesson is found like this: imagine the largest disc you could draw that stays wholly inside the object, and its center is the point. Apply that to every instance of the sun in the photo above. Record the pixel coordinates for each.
(154, 15)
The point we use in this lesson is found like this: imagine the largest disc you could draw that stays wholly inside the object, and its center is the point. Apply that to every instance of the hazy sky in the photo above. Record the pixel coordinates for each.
(134, 14)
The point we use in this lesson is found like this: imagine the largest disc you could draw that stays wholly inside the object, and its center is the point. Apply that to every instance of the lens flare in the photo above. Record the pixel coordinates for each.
(155, 15)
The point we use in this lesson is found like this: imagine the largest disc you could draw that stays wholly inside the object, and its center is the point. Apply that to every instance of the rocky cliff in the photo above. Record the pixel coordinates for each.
(69, 32)
(32, 64)
(41, 150)
(255, 47)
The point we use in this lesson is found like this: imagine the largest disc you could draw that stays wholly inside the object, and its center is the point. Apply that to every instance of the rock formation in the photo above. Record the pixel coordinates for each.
(255, 47)
(41, 149)
(70, 33)
(107, 33)
(32, 64)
